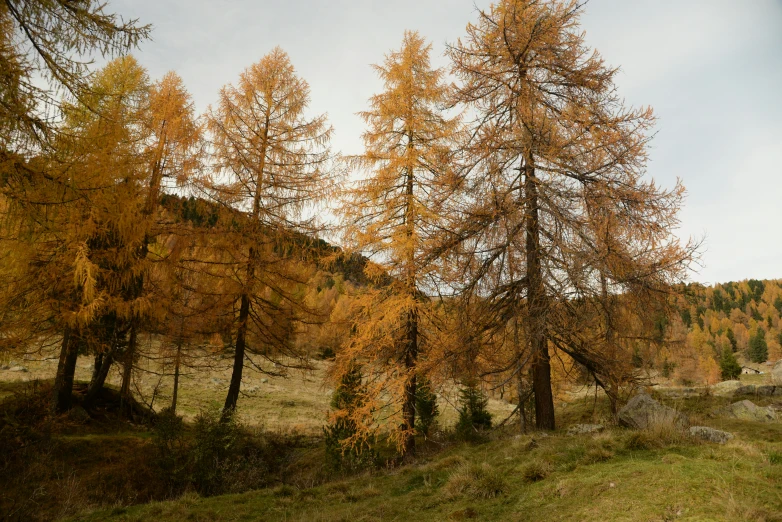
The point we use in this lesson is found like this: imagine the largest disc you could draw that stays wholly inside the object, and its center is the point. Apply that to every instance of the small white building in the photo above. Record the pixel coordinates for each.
(746, 370)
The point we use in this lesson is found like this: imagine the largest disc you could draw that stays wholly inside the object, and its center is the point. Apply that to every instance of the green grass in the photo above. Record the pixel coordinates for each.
(530, 477)
(615, 475)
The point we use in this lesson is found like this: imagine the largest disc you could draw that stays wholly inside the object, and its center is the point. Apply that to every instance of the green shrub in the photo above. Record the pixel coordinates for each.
(171, 457)
(216, 438)
(346, 448)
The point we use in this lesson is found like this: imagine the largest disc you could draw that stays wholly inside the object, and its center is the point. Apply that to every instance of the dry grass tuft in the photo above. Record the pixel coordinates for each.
(447, 463)
(479, 481)
(661, 431)
(536, 470)
(596, 455)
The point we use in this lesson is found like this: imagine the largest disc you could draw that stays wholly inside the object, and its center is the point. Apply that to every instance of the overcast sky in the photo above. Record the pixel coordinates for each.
(711, 69)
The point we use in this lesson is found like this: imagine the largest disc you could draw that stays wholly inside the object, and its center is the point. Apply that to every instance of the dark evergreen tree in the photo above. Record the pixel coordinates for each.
(729, 366)
(686, 317)
(732, 338)
(425, 406)
(758, 349)
(473, 413)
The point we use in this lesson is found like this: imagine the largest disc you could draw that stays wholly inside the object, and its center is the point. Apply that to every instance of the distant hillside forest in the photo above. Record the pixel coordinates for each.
(720, 322)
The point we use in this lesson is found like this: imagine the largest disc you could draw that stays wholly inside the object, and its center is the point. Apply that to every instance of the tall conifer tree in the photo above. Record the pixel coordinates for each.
(391, 215)
(553, 150)
(272, 162)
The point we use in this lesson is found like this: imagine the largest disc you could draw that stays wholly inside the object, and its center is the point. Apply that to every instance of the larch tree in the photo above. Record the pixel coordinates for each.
(390, 215)
(50, 41)
(272, 162)
(100, 149)
(45, 48)
(549, 131)
(171, 147)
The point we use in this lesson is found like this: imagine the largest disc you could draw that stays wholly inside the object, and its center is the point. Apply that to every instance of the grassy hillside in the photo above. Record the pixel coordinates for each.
(614, 475)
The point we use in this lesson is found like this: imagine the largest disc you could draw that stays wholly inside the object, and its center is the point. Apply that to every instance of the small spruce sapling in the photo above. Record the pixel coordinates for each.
(426, 406)
(473, 413)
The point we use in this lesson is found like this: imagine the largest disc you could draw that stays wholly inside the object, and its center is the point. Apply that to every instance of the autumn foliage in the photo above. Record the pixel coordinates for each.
(498, 233)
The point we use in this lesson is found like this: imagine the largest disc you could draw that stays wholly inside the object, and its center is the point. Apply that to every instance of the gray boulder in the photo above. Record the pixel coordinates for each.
(776, 373)
(725, 388)
(710, 434)
(585, 429)
(747, 389)
(748, 410)
(18, 369)
(768, 390)
(642, 411)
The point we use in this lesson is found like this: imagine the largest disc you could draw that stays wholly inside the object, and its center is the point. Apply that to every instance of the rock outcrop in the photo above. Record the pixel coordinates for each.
(710, 434)
(776, 373)
(748, 410)
(725, 388)
(585, 429)
(642, 411)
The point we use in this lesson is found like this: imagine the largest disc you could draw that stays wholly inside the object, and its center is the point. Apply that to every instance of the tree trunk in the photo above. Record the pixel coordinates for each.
(236, 375)
(97, 385)
(127, 370)
(62, 396)
(244, 309)
(411, 348)
(536, 303)
(519, 376)
(96, 367)
(522, 400)
(176, 375)
(411, 359)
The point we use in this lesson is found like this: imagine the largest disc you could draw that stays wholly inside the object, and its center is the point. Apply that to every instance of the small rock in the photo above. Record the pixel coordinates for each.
(747, 410)
(18, 369)
(217, 382)
(642, 410)
(611, 485)
(585, 429)
(5, 367)
(264, 381)
(710, 434)
(252, 389)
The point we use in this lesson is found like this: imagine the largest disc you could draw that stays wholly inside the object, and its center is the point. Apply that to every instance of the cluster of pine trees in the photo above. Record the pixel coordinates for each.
(502, 208)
